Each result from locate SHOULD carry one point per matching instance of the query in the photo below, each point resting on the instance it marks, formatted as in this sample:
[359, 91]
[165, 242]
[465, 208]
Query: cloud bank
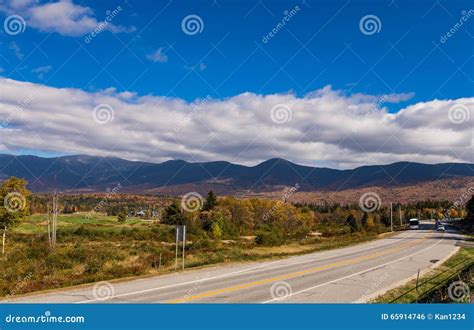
[324, 128]
[63, 17]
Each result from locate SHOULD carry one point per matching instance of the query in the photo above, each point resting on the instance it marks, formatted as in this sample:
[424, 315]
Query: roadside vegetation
[435, 285]
[103, 237]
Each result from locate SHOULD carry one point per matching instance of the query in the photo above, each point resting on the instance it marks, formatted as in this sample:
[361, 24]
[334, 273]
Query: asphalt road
[352, 274]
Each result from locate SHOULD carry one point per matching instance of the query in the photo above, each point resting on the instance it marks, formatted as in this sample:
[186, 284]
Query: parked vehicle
[440, 228]
[414, 223]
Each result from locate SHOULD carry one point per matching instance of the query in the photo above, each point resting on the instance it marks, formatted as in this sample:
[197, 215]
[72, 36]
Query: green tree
[269, 235]
[352, 222]
[216, 230]
[14, 204]
[173, 215]
[241, 214]
[122, 215]
[368, 221]
[211, 201]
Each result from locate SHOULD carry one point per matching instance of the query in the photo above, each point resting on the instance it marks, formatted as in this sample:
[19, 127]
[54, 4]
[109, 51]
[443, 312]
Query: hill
[95, 174]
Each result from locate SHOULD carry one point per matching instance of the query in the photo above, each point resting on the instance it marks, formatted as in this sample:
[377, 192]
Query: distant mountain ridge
[83, 173]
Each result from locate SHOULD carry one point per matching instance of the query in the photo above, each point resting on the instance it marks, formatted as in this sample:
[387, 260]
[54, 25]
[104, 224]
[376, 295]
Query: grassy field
[434, 280]
[37, 223]
[98, 247]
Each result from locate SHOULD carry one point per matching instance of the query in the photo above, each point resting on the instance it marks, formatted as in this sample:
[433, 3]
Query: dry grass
[434, 279]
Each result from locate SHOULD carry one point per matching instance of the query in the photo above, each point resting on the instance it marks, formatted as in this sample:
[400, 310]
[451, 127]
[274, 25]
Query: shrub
[269, 236]
[93, 266]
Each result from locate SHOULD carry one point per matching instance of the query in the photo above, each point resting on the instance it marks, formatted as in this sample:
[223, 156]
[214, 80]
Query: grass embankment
[459, 266]
[99, 248]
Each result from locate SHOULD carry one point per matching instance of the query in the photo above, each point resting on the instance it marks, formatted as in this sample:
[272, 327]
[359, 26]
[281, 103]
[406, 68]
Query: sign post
[391, 218]
[176, 256]
[400, 211]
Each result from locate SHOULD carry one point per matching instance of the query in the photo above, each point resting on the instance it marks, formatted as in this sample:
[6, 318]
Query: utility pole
[184, 243]
[53, 220]
[391, 217]
[400, 211]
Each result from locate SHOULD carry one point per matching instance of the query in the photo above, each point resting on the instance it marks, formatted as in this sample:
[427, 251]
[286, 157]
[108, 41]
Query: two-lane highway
[352, 274]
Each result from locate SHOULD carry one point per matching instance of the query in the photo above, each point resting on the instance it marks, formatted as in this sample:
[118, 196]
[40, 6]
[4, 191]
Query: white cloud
[42, 70]
[63, 17]
[158, 56]
[17, 50]
[237, 129]
[200, 67]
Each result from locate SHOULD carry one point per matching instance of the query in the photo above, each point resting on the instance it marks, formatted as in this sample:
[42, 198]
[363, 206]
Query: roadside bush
[163, 233]
[202, 244]
[59, 260]
[269, 236]
[93, 266]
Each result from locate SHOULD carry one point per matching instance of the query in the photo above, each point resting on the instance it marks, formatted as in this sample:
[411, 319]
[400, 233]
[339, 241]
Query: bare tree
[53, 211]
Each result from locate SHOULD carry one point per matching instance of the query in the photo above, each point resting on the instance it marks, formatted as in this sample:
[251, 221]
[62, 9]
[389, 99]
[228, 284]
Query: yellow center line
[299, 273]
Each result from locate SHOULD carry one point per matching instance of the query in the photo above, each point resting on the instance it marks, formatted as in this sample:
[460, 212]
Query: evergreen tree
[211, 201]
[352, 222]
[172, 215]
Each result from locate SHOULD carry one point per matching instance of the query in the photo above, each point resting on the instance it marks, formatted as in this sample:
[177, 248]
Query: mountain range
[83, 173]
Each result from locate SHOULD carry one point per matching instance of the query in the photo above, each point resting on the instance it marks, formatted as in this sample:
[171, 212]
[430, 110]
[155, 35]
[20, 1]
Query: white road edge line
[224, 275]
[358, 273]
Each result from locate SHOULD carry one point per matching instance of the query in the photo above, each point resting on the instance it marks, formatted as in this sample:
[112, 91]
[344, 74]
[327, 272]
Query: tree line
[270, 221]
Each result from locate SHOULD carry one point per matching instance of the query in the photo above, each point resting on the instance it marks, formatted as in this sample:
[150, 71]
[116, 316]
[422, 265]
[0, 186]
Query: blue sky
[235, 59]
[144, 50]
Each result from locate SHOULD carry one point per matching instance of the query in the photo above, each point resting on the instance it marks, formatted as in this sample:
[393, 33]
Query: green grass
[100, 248]
[429, 282]
[37, 223]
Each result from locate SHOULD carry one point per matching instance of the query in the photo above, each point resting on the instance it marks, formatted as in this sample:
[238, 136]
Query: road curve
[352, 274]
